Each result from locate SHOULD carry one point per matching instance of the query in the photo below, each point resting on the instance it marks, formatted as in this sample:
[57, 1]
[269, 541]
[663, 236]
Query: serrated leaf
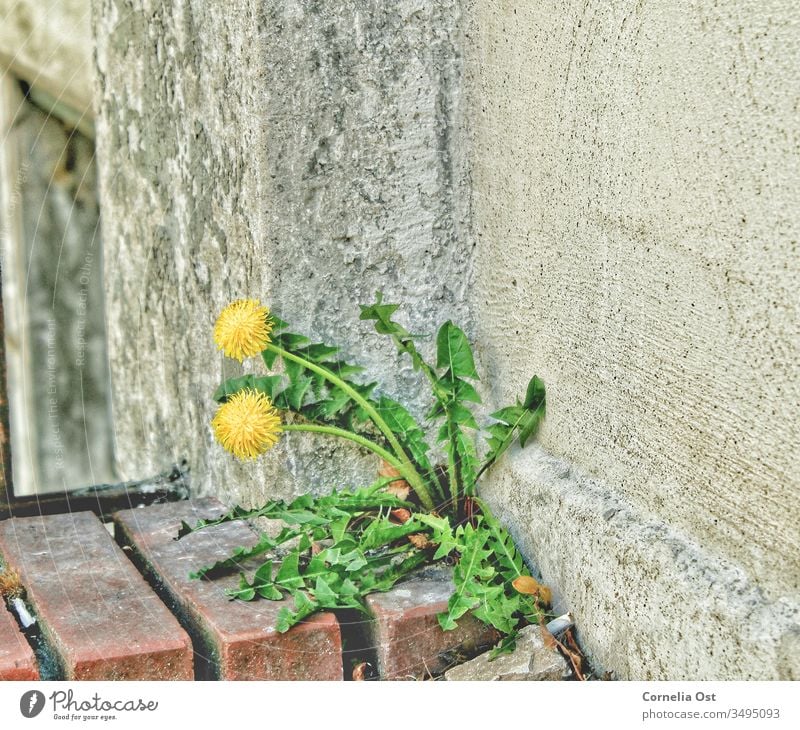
[453, 352]
[269, 591]
[508, 557]
[303, 607]
[318, 352]
[324, 594]
[339, 528]
[233, 515]
[498, 610]
[290, 341]
[405, 427]
[289, 573]
[462, 416]
[457, 606]
[529, 426]
[292, 397]
[269, 384]
[245, 592]
[509, 414]
[383, 532]
[521, 421]
[264, 573]
[467, 459]
[441, 534]
[381, 314]
[277, 323]
[505, 646]
[464, 391]
[269, 357]
[534, 394]
[348, 588]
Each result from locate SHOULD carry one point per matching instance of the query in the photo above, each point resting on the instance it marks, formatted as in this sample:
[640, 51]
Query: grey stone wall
[299, 152]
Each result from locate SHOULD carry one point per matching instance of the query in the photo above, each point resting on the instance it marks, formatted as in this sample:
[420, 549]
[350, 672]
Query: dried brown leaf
[529, 586]
[571, 650]
[526, 584]
[548, 639]
[545, 596]
[420, 541]
[399, 488]
[388, 470]
[401, 514]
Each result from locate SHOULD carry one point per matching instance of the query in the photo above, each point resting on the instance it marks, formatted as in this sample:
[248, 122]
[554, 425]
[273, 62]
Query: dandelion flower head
[248, 424]
[242, 329]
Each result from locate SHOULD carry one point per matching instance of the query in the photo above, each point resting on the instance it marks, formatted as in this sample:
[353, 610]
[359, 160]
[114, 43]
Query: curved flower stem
[410, 473]
[350, 436]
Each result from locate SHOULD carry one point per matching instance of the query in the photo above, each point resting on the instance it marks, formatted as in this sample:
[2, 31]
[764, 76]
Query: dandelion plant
[336, 549]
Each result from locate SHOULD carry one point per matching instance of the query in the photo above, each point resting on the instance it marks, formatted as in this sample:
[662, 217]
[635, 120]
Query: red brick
[405, 632]
[17, 662]
[237, 638]
[96, 612]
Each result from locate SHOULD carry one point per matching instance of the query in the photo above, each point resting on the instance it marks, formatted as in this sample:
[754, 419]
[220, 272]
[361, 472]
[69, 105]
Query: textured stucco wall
[300, 152]
[636, 173]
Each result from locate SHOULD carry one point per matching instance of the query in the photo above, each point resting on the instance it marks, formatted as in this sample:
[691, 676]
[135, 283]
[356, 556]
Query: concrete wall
[300, 152]
[601, 193]
[635, 175]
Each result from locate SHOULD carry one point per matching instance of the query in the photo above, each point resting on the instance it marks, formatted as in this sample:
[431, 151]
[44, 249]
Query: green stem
[411, 474]
[350, 436]
[440, 394]
[452, 469]
[410, 349]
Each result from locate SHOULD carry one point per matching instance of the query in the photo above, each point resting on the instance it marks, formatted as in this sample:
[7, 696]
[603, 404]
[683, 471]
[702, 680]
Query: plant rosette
[338, 548]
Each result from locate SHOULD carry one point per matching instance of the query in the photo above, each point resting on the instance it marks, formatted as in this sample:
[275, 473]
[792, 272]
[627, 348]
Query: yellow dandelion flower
[242, 329]
[247, 425]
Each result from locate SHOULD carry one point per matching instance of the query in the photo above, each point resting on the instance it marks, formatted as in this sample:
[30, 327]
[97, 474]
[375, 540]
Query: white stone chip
[530, 661]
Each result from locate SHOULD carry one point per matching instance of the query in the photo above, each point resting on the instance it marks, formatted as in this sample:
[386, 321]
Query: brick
[17, 662]
[236, 639]
[405, 632]
[97, 614]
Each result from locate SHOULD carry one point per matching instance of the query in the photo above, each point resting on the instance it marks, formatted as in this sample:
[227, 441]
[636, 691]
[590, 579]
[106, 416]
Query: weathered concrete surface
[635, 177]
[299, 152]
[649, 602]
[531, 661]
[48, 43]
